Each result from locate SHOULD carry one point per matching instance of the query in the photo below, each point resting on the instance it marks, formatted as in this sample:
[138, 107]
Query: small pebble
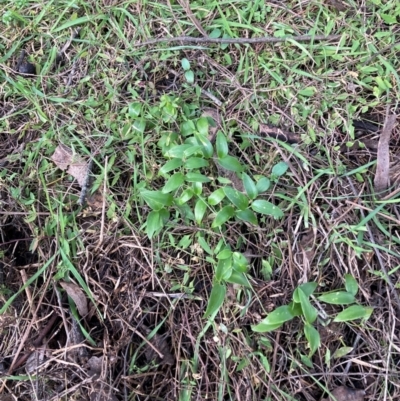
[27, 68]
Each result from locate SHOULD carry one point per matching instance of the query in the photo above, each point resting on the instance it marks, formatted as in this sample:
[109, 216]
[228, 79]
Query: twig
[265, 39]
[103, 209]
[86, 184]
[381, 180]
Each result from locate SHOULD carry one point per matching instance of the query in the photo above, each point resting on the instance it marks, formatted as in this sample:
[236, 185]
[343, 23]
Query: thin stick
[265, 39]
[103, 210]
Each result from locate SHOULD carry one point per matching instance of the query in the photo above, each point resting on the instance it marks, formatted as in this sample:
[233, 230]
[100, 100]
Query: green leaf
[199, 210]
[354, 312]
[134, 109]
[263, 185]
[189, 75]
[216, 197]
[240, 262]
[156, 199]
[306, 360]
[307, 92]
[225, 254]
[223, 216]
[268, 208]
[196, 162]
[153, 223]
[223, 270]
[230, 163]
[178, 150]
[280, 315]
[171, 165]
[204, 244]
[351, 284]
[279, 169]
[337, 298]
[222, 145]
[185, 64]
[249, 186]
[196, 177]
[313, 337]
[207, 147]
[239, 278]
[216, 33]
[202, 126]
[309, 312]
[186, 195]
[342, 351]
[237, 198]
[139, 125]
[265, 327]
[308, 289]
[248, 216]
[216, 300]
[174, 182]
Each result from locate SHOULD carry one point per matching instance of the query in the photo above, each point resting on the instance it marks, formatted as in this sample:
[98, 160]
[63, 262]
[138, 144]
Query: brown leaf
[77, 295]
[275, 132]
[161, 345]
[344, 393]
[381, 181]
[64, 158]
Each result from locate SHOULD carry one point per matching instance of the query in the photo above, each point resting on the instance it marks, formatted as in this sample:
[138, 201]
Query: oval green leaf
[248, 216]
[230, 163]
[239, 278]
[279, 169]
[185, 64]
[313, 337]
[171, 165]
[309, 312]
[196, 177]
[337, 298]
[196, 162]
[280, 315]
[174, 182]
[216, 300]
[268, 208]
[351, 284]
[263, 185]
[249, 186]
[216, 197]
[354, 312]
[237, 198]
[156, 199]
[223, 216]
[199, 210]
[222, 145]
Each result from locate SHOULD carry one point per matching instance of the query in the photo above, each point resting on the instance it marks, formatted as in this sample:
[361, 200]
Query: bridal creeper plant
[189, 158]
[302, 307]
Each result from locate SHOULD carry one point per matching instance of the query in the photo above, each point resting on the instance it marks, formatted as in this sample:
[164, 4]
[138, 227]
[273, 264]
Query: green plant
[302, 307]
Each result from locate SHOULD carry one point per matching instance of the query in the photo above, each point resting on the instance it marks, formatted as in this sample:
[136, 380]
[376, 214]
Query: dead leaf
[95, 364]
[95, 201]
[64, 158]
[162, 346]
[35, 359]
[381, 181]
[344, 393]
[214, 114]
[77, 295]
[275, 132]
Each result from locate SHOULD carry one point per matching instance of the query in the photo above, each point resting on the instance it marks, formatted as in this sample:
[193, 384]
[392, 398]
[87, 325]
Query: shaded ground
[319, 107]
